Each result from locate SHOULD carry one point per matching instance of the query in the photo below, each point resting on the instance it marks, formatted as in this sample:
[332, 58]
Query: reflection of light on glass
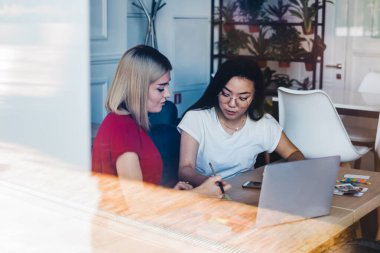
[19, 156]
[341, 31]
[356, 31]
[33, 12]
[25, 71]
[375, 19]
[33, 70]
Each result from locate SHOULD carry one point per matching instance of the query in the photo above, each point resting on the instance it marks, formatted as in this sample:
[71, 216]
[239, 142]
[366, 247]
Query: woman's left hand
[183, 186]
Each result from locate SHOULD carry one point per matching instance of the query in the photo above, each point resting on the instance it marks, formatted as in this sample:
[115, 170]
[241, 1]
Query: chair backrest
[370, 83]
[168, 115]
[167, 140]
[311, 122]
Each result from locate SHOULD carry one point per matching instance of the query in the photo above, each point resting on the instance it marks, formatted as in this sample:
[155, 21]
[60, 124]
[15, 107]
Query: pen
[213, 172]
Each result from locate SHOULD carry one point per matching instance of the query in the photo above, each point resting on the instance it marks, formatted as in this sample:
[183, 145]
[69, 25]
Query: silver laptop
[293, 191]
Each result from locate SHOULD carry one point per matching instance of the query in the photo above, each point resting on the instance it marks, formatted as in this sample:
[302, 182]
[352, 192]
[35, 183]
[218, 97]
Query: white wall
[44, 91]
[183, 35]
[108, 36]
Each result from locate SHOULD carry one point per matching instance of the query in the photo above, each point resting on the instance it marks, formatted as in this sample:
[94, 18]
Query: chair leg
[346, 165]
[377, 161]
[357, 163]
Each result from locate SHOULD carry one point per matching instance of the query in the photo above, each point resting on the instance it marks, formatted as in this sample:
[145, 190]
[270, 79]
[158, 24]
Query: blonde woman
[122, 146]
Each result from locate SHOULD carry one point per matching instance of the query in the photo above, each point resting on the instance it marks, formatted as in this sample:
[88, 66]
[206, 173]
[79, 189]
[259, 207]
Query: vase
[228, 27]
[284, 64]
[308, 30]
[262, 63]
[309, 66]
[254, 28]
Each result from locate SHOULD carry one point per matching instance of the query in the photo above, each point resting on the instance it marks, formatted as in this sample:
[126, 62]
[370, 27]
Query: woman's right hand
[183, 186]
[211, 188]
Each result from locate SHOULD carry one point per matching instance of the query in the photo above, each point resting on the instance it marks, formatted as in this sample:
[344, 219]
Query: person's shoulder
[117, 120]
[265, 119]
[198, 113]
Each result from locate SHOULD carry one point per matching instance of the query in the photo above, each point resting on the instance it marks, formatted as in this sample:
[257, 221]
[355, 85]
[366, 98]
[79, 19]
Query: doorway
[353, 42]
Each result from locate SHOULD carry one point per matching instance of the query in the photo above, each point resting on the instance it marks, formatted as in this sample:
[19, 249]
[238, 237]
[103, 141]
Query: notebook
[293, 191]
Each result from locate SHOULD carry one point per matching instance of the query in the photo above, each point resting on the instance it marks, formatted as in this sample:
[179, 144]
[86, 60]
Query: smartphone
[252, 185]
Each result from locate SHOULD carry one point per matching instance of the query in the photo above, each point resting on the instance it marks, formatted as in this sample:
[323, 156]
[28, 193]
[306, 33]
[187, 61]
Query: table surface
[49, 209]
[350, 99]
[358, 205]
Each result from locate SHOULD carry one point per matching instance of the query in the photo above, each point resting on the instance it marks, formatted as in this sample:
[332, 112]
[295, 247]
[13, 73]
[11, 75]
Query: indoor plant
[286, 43]
[226, 15]
[232, 41]
[310, 56]
[260, 47]
[306, 12]
[252, 10]
[277, 11]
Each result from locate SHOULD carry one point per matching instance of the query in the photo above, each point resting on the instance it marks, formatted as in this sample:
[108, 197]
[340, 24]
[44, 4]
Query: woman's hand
[211, 188]
[183, 186]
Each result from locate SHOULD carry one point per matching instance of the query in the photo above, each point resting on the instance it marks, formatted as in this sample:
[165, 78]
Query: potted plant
[260, 47]
[277, 12]
[306, 12]
[226, 15]
[252, 10]
[310, 56]
[232, 41]
[286, 43]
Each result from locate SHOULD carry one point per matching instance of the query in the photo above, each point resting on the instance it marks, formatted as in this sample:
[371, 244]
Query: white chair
[362, 131]
[311, 122]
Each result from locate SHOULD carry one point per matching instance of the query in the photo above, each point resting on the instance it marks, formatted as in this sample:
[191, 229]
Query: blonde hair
[138, 68]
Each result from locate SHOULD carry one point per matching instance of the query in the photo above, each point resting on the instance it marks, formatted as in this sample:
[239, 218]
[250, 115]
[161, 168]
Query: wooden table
[358, 206]
[46, 208]
[354, 103]
[349, 102]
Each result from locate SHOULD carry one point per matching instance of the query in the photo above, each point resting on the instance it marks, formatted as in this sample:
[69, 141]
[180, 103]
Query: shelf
[276, 35]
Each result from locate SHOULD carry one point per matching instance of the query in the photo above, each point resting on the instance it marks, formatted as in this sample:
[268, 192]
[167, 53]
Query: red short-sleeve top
[119, 134]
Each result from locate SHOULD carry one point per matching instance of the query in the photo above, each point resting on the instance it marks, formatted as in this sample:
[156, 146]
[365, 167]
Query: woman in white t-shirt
[227, 126]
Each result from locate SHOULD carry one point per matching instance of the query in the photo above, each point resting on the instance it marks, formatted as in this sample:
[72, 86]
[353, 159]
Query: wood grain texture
[83, 212]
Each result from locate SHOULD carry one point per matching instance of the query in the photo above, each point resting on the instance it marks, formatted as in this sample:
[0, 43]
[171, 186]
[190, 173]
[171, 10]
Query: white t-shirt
[229, 153]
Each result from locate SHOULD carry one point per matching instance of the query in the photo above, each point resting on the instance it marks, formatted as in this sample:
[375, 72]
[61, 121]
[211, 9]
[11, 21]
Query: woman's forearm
[189, 174]
[295, 156]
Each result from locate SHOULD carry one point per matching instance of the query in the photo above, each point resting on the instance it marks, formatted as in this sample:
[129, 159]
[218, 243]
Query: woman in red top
[122, 146]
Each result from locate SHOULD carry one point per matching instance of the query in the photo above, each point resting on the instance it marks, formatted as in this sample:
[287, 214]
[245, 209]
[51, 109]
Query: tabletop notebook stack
[354, 185]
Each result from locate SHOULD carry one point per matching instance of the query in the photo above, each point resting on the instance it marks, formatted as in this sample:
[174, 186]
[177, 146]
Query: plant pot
[228, 27]
[262, 63]
[309, 66]
[284, 64]
[254, 28]
[308, 30]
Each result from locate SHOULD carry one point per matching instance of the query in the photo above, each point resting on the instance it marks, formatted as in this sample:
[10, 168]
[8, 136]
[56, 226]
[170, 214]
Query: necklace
[235, 129]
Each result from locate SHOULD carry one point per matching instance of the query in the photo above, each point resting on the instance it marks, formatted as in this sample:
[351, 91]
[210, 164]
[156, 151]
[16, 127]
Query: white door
[353, 42]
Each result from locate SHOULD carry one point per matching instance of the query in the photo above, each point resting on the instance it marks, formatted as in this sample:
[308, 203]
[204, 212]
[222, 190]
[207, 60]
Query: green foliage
[251, 8]
[278, 11]
[307, 13]
[232, 41]
[261, 46]
[286, 42]
[226, 13]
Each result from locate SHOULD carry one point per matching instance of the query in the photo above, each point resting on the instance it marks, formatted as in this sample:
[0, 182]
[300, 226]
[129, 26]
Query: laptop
[298, 190]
